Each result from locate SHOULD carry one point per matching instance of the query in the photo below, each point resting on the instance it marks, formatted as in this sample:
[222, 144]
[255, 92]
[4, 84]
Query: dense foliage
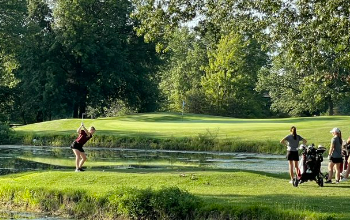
[71, 55]
[241, 58]
[306, 42]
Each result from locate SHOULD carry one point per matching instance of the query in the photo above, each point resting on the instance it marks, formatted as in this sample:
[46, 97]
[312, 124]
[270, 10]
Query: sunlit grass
[165, 125]
[223, 187]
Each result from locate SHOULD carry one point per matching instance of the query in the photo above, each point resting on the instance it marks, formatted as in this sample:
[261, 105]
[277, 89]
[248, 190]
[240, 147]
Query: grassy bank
[191, 132]
[177, 194]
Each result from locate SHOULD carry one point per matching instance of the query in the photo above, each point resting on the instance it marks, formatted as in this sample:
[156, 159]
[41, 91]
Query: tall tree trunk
[330, 106]
[39, 116]
[23, 118]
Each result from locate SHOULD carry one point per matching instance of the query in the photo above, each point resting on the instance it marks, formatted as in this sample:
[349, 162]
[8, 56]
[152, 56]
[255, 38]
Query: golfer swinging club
[77, 146]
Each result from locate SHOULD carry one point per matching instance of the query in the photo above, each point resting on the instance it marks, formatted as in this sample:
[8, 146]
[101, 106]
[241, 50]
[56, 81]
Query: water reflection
[5, 214]
[23, 158]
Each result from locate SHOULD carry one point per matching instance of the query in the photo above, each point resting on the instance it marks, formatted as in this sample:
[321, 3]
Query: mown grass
[191, 132]
[218, 194]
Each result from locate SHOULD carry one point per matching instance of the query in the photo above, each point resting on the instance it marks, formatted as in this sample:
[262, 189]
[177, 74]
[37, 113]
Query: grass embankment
[194, 194]
[192, 132]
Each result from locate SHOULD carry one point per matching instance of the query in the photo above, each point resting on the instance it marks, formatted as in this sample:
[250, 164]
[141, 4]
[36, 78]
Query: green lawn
[232, 187]
[236, 188]
[164, 125]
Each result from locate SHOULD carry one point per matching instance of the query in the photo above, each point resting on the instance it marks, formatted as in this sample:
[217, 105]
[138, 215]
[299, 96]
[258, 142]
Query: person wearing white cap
[347, 171]
[335, 156]
[291, 141]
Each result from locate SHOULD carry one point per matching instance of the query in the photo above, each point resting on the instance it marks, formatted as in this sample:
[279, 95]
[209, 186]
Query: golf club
[82, 118]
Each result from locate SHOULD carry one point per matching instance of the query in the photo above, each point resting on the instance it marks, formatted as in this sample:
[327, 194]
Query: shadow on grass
[73, 133]
[337, 206]
[177, 118]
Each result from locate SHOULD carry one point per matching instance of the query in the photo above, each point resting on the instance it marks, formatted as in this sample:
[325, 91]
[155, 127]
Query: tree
[231, 77]
[313, 38]
[12, 15]
[74, 54]
[39, 94]
[211, 20]
[181, 74]
[97, 44]
[159, 18]
[284, 87]
[92, 38]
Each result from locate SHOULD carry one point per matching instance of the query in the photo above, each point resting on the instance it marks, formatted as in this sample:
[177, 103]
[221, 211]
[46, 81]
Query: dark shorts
[293, 155]
[77, 146]
[336, 160]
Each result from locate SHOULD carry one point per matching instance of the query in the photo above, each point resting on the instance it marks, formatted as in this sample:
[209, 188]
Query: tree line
[240, 58]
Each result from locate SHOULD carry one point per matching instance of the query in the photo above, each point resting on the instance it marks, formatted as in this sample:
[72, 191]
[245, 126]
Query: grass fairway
[217, 187]
[166, 125]
[233, 188]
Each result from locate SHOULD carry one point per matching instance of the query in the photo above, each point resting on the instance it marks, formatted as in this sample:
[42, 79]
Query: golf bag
[310, 165]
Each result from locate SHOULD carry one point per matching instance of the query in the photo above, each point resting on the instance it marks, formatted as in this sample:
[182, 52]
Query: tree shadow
[337, 206]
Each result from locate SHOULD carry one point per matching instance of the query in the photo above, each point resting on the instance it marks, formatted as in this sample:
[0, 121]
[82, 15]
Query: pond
[16, 159]
[5, 214]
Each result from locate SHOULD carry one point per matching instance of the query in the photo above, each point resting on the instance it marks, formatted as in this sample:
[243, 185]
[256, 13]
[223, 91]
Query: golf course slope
[188, 132]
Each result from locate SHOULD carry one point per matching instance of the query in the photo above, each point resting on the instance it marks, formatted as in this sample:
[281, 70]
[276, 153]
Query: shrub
[173, 203]
[6, 133]
[167, 204]
[136, 204]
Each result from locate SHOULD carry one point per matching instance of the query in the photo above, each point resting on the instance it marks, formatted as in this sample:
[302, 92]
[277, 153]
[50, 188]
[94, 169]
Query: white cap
[336, 130]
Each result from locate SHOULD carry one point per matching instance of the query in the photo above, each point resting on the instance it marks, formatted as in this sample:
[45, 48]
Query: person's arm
[304, 141]
[79, 129]
[283, 141]
[86, 131]
[331, 149]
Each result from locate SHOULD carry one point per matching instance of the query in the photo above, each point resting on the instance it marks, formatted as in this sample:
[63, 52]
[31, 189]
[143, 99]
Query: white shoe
[343, 179]
[291, 181]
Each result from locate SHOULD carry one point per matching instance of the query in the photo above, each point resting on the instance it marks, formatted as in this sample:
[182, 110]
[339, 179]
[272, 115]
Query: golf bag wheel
[295, 182]
[326, 176]
[320, 182]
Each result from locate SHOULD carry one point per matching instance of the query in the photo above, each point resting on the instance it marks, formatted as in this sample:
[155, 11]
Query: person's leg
[296, 165]
[290, 162]
[330, 170]
[83, 159]
[348, 169]
[77, 158]
[337, 171]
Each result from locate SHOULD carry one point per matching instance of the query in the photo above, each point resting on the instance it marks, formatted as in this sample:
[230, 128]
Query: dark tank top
[82, 138]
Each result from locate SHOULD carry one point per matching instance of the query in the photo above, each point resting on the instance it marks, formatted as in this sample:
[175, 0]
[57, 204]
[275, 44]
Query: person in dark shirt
[77, 146]
[291, 141]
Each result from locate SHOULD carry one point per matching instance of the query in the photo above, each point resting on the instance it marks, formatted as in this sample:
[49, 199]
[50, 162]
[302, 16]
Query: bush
[6, 133]
[173, 203]
[167, 204]
[136, 204]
